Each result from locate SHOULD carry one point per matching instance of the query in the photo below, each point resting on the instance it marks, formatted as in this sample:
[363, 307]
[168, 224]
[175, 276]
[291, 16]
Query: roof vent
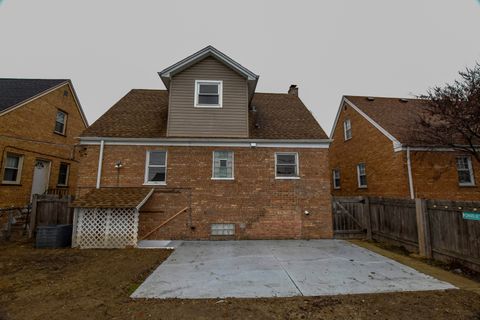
[403, 100]
[370, 98]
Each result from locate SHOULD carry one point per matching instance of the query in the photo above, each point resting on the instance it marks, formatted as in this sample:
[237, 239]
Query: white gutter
[410, 177]
[100, 160]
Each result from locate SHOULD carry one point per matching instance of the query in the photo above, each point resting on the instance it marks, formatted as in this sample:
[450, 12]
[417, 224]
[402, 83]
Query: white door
[41, 173]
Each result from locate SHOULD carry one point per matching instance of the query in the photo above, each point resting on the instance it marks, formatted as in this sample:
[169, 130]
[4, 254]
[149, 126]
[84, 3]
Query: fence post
[423, 229]
[33, 217]
[368, 217]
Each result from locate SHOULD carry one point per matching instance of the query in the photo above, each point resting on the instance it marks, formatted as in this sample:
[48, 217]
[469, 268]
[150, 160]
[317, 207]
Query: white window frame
[470, 171]
[213, 165]
[212, 233]
[335, 186]
[67, 176]
[19, 169]
[358, 175]
[297, 169]
[220, 93]
[147, 162]
[64, 123]
[347, 129]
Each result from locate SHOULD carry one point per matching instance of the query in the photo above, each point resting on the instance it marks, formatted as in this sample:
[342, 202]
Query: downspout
[100, 159]
[410, 177]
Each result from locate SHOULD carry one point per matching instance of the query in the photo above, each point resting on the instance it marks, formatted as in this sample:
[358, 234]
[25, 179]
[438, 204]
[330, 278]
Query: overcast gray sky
[328, 48]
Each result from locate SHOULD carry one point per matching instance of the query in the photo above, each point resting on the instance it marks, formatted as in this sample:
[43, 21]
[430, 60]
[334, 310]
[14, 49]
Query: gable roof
[16, 92]
[143, 114]
[397, 118]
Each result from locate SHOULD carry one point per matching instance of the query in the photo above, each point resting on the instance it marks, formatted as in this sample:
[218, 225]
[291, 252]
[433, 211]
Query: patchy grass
[96, 284]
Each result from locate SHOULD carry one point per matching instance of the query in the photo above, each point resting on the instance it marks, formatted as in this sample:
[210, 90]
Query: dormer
[209, 96]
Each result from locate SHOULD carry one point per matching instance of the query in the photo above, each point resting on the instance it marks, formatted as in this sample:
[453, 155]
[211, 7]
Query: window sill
[13, 184]
[336, 188]
[467, 185]
[362, 187]
[227, 179]
[155, 184]
[60, 134]
[287, 178]
[62, 186]
[207, 106]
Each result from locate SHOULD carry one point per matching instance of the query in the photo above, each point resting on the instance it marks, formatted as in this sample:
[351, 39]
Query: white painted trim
[19, 169]
[219, 84]
[335, 187]
[213, 165]
[428, 149]
[65, 119]
[147, 165]
[362, 186]
[140, 205]
[100, 160]
[470, 171]
[410, 176]
[75, 97]
[297, 169]
[316, 144]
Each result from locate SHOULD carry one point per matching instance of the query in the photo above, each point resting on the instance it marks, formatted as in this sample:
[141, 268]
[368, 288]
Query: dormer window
[208, 93]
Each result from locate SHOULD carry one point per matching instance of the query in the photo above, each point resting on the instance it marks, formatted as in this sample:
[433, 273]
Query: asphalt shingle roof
[143, 114]
[112, 198]
[15, 91]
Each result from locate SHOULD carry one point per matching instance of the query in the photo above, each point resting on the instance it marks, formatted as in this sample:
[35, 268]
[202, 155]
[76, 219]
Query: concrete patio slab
[248, 269]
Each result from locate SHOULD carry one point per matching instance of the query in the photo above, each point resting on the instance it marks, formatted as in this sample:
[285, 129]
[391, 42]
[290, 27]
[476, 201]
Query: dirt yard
[96, 284]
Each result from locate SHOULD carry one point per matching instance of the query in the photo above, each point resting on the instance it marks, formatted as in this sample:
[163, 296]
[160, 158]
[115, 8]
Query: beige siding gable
[185, 120]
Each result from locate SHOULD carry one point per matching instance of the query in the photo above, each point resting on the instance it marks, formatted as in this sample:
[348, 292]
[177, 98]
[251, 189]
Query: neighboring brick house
[376, 152]
[223, 161]
[39, 122]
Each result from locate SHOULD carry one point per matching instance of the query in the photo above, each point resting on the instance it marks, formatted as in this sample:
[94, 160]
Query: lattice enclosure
[106, 227]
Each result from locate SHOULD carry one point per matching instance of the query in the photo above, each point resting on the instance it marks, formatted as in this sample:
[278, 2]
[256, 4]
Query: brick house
[375, 152]
[208, 158]
[39, 122]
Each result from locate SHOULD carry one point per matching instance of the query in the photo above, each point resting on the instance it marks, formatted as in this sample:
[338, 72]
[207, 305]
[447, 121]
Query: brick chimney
[293, 90]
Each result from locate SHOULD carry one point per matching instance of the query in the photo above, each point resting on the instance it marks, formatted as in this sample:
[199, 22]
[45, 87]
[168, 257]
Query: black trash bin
[54, 236]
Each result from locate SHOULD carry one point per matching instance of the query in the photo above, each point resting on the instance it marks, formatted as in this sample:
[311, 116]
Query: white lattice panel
[106, 227]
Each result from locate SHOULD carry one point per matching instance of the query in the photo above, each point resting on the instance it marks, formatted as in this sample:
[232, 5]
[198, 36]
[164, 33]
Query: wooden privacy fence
[434, 228]
[50, 210]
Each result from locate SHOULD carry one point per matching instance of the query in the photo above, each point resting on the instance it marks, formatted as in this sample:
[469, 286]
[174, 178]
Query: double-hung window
[336, 178]
[60, 122]
[286, 165]
[156, 167]
[347, 129]
[465, 171]
[12, 168]
[222, 165]
[63, 172]
[208, 93]
[361, 175]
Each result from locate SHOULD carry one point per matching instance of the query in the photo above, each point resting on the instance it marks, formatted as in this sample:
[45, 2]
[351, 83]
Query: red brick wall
[434, 173]
[260, 206]
[28, 131]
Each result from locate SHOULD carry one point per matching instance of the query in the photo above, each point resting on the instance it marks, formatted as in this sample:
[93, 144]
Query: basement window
[208, 93]
[465, 171]
[286, 165]
[336, 179]
[12, 169]
[156, 167]
[347, 129]
[222, 165]
[60, 122]
[223, 229]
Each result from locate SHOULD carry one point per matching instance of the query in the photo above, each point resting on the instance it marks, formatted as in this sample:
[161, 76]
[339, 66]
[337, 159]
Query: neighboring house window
[347, 129]
[465, 171]
[208, 93]
[336, 179]
[362, 175]
[286, 165]
[222, 165]
[223, 229]
[12, 169]
[61, 122]
[156, 167]
[63, 174]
